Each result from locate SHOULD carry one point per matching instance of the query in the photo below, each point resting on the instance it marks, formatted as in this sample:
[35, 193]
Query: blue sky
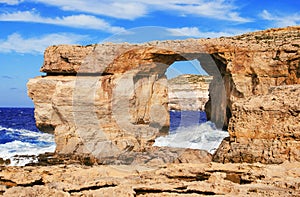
[29, 26]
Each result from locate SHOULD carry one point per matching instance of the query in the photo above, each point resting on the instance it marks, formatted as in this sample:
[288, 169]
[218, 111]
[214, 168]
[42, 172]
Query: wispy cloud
[195, 32]
[36, 45]
[75, 21]
[216, 9]
[281, 20]
[6, 77]
[132, 9]
[11, 2]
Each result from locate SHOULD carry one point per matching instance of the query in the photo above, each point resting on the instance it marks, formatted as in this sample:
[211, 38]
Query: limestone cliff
[188, 92]
[264, 128]
[109, 98]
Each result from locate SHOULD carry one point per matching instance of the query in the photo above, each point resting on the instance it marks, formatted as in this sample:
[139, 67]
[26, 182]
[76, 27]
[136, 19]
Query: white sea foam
[204, 136]
[45, 143]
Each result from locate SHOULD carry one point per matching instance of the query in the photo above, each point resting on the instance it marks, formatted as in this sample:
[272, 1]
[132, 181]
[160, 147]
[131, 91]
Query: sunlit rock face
[264, 128]
[108, 98]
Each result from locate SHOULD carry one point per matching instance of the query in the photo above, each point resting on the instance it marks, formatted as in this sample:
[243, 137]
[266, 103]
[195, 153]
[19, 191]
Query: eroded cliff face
[264, 128]
[109, 98]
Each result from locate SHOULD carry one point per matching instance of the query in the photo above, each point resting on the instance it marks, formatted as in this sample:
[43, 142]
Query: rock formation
[188, 92]
[260, 118]
[187, 180]
[109, 98]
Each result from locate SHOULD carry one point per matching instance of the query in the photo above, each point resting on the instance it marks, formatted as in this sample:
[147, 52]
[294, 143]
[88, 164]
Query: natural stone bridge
[109, 98]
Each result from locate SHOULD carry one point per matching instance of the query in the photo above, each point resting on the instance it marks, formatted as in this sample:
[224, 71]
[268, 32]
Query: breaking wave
[204, 136]
[24, 142]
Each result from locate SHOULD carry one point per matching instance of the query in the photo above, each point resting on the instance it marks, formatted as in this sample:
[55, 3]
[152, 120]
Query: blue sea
[179, 119]
[19, 135]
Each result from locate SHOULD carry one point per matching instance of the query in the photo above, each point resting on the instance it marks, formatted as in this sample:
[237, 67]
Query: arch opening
[188, 93]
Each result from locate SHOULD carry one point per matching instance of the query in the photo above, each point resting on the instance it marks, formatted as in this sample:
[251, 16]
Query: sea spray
[204, 136]
[24, 142]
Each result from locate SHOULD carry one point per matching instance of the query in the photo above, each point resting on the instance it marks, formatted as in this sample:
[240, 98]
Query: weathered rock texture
[191, 180]
[125, 108]
[188, 92]
[151, 156]
[264, 128]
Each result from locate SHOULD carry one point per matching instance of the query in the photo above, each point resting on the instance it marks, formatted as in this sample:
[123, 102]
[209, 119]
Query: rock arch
[242, 94]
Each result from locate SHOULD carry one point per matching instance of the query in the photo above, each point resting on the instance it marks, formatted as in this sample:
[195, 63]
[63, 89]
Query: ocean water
[181, 119]
[190, 129]
[19, 136]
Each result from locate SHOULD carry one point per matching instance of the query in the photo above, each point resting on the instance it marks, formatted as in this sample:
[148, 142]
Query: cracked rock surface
[213, 179]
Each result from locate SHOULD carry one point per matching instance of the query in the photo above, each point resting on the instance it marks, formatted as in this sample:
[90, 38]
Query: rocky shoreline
[183, 179]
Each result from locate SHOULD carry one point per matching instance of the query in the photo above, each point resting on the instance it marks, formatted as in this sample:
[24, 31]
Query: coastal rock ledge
[107, 99]
[172, 180]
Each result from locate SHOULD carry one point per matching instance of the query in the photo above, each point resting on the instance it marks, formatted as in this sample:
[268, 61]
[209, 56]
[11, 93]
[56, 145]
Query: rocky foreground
[206, 179]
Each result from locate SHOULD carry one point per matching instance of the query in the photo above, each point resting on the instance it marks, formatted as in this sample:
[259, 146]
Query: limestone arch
[149, 61]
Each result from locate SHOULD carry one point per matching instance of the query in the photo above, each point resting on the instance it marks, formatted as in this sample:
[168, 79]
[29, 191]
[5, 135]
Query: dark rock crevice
[143, 191]
[10, 183]
[94, 187]
[197, 177]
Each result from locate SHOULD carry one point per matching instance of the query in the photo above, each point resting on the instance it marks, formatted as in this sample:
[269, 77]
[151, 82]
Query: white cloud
[118, 9]
[217, 9]
[76, 21]
[36, 45]
[195, 32]
[185, 31]
[132, 9]
[281, 20]
[11, 2]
